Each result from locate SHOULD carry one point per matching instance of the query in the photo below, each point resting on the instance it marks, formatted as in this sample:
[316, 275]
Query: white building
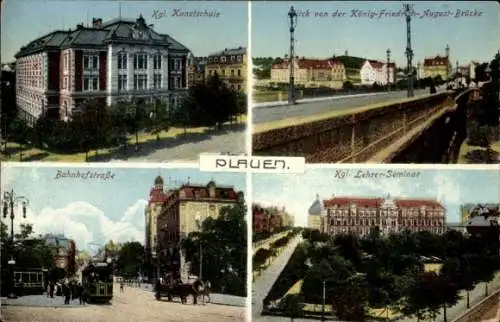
[113, 61]
[376, 72]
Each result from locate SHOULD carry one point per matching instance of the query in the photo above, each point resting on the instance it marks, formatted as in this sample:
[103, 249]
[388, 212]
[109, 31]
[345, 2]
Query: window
[239, 58]
[177, 82]
[90, 61]
[177, 64]
[65, 82]
[157, 81]
[239, 72]
[232, 72]
[232, 58]
[140, 82]
[66, 61]
[122, 82]
[157, 61]
[140, 61]
[90, 83]
[122, 61]
[239, 87]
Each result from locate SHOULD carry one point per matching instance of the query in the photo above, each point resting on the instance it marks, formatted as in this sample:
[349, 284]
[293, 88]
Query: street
[133, 305]
[270, 114]
[265, 281]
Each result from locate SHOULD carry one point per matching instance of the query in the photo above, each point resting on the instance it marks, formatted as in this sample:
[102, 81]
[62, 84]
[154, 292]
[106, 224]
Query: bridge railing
[352, 137]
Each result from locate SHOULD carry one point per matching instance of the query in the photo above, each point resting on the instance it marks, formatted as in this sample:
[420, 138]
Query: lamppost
[409, 50]
[198, 223]
[10, 199]
[11, 263]
[324, 298]
[388, 52]
[292, 16]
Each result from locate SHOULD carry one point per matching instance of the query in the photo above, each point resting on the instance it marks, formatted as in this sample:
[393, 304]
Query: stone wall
[353, 137]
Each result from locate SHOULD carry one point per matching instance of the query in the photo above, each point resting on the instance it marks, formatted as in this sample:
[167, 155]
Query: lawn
[35, 154]
[465, 149]
[381, 312]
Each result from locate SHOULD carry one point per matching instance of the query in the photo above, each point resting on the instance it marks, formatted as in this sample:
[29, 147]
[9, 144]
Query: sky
[469, 38]
[451, 187]
[96, 211]
[26, 20]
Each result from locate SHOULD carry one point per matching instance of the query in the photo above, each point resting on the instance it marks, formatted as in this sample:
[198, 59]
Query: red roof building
[171, 215]
[309, 70]
[362, 215]
[436, 61]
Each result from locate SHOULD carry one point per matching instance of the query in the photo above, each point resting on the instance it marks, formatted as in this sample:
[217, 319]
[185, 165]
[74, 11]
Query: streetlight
[10, 199]
[198, 222]
[409, 50]
[11, 263]
[323, 306]
[292, 15]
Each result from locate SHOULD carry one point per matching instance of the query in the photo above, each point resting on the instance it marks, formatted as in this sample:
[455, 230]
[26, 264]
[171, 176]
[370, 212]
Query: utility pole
[388, 69]
[409, 50]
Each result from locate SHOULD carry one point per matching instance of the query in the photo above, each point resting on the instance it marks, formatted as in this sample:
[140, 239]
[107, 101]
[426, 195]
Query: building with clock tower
[113, 61]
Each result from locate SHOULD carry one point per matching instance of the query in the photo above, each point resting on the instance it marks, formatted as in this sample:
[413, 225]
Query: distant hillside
[351, 62]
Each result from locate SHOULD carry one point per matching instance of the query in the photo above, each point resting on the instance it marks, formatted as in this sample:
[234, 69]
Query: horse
[176, 289]
[203, 289]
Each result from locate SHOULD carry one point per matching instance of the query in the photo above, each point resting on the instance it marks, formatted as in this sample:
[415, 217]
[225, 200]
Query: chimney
[97, 23]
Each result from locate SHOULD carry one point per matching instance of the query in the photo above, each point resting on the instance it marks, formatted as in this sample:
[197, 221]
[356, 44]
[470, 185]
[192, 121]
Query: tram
[29, 281]
[97, 282]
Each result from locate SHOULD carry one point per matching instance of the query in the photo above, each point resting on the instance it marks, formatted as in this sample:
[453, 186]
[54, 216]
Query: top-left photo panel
[136, 81]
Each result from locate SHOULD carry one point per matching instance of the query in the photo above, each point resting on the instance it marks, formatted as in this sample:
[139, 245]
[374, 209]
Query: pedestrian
[80, 293]
[51, 286]
[121, 287]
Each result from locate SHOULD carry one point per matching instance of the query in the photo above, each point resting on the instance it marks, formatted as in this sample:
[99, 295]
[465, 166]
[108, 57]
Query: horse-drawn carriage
[170, 289]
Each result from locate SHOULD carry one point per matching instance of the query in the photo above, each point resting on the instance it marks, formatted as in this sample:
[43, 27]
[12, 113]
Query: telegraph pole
[409, 50]
[388, 69]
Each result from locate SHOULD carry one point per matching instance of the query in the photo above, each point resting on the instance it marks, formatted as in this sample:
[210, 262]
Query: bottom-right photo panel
[377, 244]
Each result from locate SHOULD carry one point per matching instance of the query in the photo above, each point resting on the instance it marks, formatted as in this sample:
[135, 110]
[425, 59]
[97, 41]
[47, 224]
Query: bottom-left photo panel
[92, 243]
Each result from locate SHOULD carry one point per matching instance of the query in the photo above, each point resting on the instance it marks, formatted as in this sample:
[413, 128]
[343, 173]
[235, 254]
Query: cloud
[135, 214]
[86, 224]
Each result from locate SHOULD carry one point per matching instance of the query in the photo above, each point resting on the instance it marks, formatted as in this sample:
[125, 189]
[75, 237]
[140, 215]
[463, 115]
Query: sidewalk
[40, 301]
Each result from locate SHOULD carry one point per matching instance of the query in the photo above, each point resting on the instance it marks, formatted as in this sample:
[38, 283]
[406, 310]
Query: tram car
[97, 282]
[29, 281]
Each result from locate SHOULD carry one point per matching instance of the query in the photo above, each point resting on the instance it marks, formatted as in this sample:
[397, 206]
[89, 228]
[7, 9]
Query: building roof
[436, 61]
[377, 202]
[230, 52]
[316, 207]
[306, 63]
[378, 64]
[117, 30]
[223, 192]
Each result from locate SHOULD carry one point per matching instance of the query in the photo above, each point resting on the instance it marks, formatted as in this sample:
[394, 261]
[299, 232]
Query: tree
[260, 258]
[130, 259]
[292, 305]
[224, 260]
[350, 299]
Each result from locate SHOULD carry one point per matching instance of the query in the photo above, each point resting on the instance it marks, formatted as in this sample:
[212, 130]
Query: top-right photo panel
[377, 81]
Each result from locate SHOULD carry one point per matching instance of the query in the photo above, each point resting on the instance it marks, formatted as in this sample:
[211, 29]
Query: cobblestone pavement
[134, 305]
